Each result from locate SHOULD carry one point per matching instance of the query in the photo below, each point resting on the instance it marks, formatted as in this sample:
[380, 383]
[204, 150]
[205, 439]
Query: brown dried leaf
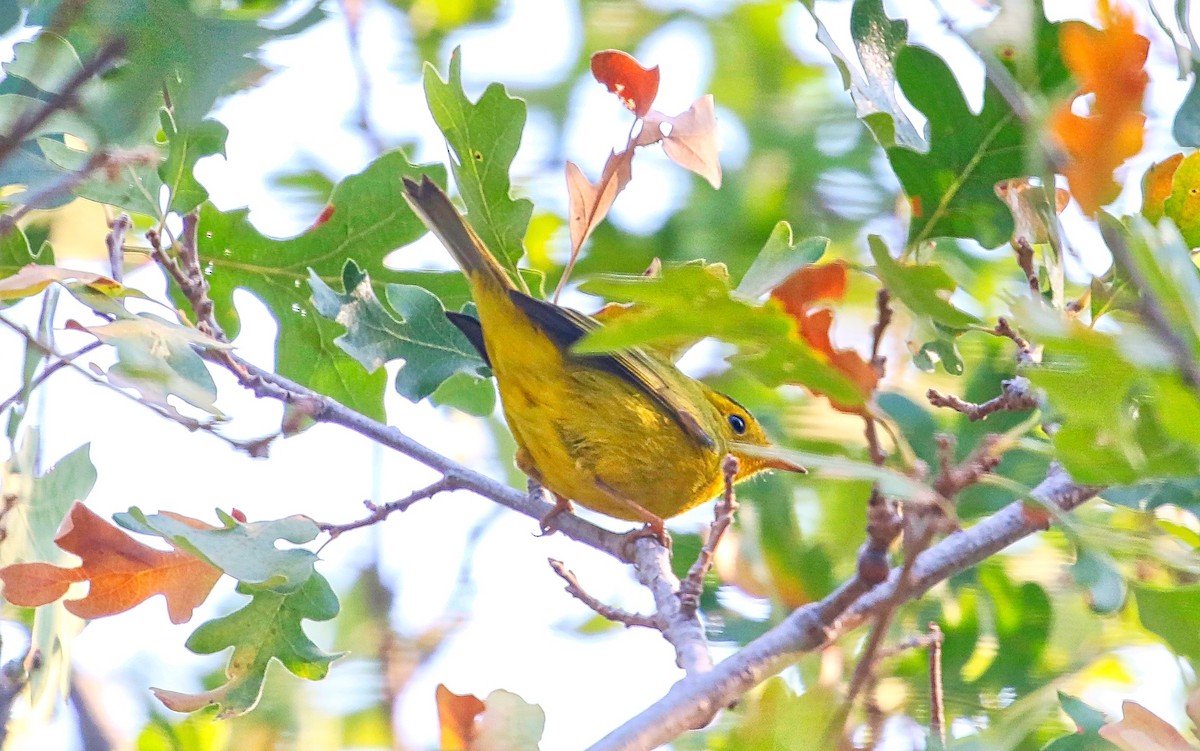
[1142, 730]
[692, 142]
[1023, 199]
[122, 571]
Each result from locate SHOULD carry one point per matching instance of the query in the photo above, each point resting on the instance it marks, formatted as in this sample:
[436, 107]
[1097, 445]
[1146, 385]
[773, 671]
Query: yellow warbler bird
[624, 433]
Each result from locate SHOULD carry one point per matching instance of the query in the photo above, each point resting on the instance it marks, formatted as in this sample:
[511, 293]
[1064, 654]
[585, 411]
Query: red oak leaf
[624, 76]
[798, 294]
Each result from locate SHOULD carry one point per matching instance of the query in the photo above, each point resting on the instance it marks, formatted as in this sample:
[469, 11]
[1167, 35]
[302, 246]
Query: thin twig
[692, 586]
[353, 16]
[1025, 261]
[937, 699]
[269, 385]
[1152, 310]
[63, 185]
[115, 242]
[878, 362]
[63, 99]
[379, 513]
[617, 615]
[696, 698]
[1016, 395]
[63, 362]
[883, 527]
[1025, 354]
[918, 641]
[883, 318]
[68, 361]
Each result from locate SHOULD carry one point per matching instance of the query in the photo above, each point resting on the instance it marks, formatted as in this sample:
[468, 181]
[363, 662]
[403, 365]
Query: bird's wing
[565, 327]
[469, 326]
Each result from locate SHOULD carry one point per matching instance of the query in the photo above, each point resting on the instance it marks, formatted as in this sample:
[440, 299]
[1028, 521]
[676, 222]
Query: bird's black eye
[737, 423]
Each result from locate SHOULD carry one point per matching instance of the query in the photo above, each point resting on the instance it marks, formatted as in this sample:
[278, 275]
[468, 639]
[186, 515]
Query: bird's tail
[433, 206]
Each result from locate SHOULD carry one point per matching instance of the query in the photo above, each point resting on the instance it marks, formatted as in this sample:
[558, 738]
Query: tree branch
[692, 586]
[607, 611]
[693, 701]
[1152, 310]
[1016, 395]
[266, 384]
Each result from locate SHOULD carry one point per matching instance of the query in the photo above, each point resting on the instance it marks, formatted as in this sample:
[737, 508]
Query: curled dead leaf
[1024, 200]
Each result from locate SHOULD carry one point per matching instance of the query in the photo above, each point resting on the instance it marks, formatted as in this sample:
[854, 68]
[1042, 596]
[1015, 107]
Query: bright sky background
[517, 633]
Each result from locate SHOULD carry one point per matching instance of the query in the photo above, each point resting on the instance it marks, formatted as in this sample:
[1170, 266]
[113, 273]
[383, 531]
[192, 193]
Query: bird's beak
[784, 464]
[770, 457]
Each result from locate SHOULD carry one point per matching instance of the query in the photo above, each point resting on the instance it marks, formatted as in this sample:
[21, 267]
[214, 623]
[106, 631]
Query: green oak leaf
[779, 259]
[204, 55]
[268, 627]
[508, 723]
[1134, 425]
[924, 288]
[1173, 613]
[42, 501]
[136, 186]
[951, 187]
[692, 302]
[47, 62]
[1164, 261]
[432, 348]
[483, 137]
[877, 41]
[245, 550]
[28, 171]
[1027, 44]
[1088, 722]
[369, 220]
[1183, 203]
[184, 149]
[158, 359]
[135, 189]
[15, 253]
[1186, 128]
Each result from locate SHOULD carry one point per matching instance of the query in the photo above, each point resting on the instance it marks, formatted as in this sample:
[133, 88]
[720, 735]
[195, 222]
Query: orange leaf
[122, 571]
[1109, 64]
[456, 717]
[797, 294]
[692, 142]
[624, 76]
[1142, 730]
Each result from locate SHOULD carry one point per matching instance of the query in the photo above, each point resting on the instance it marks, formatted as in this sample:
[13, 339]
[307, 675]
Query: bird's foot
[654, 530]
[561, 506]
